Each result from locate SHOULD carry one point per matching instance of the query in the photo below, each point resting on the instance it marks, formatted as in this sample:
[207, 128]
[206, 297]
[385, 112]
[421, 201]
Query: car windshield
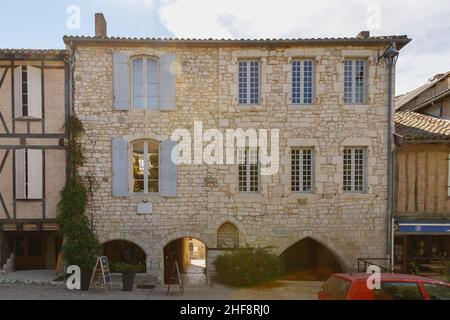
[336, 288]
[438, 292]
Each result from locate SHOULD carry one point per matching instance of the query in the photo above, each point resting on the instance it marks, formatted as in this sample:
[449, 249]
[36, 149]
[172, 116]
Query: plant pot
[85, 279]
[128, 281]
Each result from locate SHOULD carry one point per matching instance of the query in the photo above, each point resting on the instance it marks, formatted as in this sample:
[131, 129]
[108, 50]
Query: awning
[423, 226]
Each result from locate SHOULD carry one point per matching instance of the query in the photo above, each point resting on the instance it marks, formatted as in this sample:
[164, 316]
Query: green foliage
[80, 246]
[245, 267]
[127, 268]
[75, 130]
[413, 268]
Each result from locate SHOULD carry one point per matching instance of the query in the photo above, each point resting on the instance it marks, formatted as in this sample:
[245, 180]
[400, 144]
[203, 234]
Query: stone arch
[238, 224]
[190, 252]
[124, 251]
[311, 259]
[227, 236]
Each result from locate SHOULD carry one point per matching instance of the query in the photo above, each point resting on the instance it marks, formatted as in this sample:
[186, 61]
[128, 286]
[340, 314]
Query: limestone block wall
[351, 225]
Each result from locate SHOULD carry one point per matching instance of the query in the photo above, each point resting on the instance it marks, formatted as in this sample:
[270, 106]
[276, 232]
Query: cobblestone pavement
[293, 290]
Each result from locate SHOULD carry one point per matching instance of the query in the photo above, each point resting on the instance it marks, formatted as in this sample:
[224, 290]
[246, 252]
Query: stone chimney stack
[100, 26]
[363, 35]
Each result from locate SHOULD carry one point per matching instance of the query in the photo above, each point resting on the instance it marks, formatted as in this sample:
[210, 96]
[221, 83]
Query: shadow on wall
[308, 260]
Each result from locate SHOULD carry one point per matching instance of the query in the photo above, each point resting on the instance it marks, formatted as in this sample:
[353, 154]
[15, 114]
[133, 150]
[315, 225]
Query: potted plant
[128, 274]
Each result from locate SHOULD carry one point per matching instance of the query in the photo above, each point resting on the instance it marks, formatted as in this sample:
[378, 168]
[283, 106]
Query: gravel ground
[283, 290]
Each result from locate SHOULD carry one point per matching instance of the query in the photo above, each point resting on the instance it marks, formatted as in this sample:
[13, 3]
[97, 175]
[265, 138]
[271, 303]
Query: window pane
[347, 170]
[359, 81]
[359, 169]
[348, 80]
[254, 82]
[24, 91]
[153, 171]
[138, 167]
[138, 83]
[296, 74]
[398, 291]
[242, 162]
[242, 82]
[307, 81]
[295, 170]
[448, 178]
[438, 292]
[307, 170]
[152, 83]
[253, 169]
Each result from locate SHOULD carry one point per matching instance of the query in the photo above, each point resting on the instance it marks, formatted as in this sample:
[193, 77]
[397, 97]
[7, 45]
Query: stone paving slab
[289, 290]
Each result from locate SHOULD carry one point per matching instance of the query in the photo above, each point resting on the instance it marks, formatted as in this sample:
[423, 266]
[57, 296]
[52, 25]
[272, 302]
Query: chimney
[100, 26]
[363, 35]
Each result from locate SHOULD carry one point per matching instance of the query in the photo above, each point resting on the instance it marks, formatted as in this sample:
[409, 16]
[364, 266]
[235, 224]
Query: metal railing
[382, 263]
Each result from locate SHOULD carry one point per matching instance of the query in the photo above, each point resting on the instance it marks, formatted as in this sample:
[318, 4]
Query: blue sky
[41, 24]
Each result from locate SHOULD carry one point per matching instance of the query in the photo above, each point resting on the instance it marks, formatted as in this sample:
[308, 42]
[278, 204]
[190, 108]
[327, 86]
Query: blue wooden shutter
[119, 167]
[121, 81]
[167, 82]
[168, 169]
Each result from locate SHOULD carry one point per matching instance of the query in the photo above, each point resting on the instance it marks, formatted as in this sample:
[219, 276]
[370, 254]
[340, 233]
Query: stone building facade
[348, 224]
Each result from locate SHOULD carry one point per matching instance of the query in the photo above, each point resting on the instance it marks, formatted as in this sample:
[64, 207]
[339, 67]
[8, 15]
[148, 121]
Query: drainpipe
[390, 58]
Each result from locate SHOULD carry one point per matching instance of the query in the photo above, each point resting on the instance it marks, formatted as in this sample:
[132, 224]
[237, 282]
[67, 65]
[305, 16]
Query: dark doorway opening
[124, 251]
[190, 254]
[310, 261]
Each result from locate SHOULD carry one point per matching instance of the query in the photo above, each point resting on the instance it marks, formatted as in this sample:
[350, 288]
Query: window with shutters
[145, 164]
[302, 81]
[248, 161]
[27, 92]
[301, 169]
[28, 173]
[144, 82]
[355, 81]
[249, 82]
[354, 169]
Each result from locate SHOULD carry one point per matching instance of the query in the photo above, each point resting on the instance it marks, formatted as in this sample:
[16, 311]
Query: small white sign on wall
[145, 208]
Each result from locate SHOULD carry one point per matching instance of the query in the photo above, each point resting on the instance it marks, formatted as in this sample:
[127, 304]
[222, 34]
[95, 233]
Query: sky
[42, 24]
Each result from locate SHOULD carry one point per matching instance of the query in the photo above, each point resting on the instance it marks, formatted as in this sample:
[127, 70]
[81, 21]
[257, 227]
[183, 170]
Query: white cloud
[426, 22]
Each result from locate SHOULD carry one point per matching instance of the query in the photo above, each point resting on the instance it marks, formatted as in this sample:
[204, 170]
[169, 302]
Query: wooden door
[29, 251]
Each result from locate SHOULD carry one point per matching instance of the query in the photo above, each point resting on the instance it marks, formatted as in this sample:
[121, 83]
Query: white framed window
[354, 169]
[355, 73]
[249, 81]
[302, 81]
[145, 166]
[27, 92]
[302, 169]
[248, 161]
[28, 173]
[144, 82]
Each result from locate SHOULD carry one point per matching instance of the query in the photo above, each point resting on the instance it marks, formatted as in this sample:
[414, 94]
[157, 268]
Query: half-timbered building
[33, 110]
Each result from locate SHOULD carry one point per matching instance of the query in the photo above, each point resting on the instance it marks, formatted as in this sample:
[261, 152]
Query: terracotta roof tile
[415, 126]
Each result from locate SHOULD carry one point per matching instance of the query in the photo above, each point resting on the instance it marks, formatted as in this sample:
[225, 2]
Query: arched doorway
[308, 259]
[125, 252]
[190, 254]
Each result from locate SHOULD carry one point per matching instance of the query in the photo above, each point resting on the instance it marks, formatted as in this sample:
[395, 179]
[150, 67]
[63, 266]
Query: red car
[353, 286]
